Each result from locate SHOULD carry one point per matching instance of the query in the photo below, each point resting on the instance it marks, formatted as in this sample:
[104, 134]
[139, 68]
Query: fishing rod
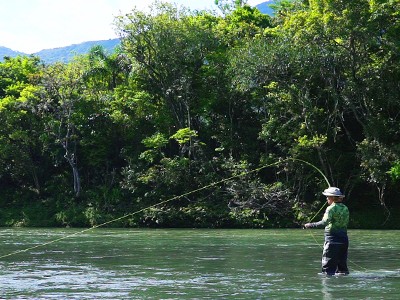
[169, 200]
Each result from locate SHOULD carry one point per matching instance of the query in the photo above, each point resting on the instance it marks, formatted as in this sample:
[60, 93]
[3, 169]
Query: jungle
[209, 119]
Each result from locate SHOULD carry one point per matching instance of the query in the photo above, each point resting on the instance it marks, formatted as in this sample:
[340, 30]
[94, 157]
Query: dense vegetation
[195, 98]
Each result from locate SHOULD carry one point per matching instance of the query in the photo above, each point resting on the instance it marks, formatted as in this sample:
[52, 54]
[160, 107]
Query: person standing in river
[335, 220]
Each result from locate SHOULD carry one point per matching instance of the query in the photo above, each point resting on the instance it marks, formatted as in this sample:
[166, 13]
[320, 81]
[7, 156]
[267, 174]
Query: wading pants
[334, 256]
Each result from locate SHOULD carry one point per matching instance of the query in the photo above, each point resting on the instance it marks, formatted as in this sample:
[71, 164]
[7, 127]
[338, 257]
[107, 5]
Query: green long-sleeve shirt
[335, 219]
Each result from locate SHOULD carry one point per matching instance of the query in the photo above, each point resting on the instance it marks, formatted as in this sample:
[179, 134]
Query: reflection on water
[191, 264]
[365, 284]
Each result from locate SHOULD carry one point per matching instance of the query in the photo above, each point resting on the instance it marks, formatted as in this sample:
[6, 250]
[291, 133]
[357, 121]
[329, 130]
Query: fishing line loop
[169, 200]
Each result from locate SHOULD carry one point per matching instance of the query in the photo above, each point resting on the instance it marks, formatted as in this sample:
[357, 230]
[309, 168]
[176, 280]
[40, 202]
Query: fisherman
[335, 220]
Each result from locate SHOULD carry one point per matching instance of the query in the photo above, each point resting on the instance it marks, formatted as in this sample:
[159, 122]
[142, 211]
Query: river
[192, 264]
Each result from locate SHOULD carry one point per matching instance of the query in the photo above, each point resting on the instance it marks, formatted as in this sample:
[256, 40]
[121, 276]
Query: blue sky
[33, 25]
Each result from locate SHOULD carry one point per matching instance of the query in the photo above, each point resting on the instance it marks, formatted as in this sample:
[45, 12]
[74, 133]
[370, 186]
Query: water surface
[193, 264]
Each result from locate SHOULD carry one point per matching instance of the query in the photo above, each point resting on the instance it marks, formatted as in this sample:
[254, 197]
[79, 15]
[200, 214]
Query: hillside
[8, 52]
[265, 7]
[63, 54]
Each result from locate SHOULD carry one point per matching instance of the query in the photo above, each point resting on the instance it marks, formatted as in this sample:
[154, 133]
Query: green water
[193, 264]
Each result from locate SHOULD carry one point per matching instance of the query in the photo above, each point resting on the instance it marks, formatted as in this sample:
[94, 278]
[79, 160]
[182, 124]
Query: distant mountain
[8, 52]
[265, 8]
[63, 54]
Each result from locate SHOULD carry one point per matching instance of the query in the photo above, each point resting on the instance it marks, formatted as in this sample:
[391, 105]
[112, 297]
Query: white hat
[333, 191]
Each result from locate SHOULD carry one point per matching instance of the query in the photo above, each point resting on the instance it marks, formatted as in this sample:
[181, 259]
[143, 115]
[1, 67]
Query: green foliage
[249, 218]
[394, 171]
[194, 98]
[184, 135]
[156, 141]
[375, 160]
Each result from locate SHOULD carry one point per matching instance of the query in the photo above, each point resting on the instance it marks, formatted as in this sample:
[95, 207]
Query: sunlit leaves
[394, 171]
[156, 141]
[184, 135]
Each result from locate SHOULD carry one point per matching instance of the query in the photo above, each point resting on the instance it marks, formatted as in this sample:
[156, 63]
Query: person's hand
[307, 225]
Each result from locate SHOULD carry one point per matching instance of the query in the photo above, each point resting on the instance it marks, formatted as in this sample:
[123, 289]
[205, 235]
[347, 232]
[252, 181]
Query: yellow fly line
[166, 201]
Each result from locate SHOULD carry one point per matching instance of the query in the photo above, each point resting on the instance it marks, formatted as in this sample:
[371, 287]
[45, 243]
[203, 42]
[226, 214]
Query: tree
[170, 47]
[21, 157]
[228, 5]
[61, 95]
[317, 74]
[113, 68]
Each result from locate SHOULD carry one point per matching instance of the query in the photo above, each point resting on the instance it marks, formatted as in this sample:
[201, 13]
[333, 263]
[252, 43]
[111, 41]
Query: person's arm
[323, 222]
[315, 224]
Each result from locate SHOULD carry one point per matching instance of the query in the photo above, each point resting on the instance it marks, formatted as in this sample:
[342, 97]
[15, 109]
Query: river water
[192, 264]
